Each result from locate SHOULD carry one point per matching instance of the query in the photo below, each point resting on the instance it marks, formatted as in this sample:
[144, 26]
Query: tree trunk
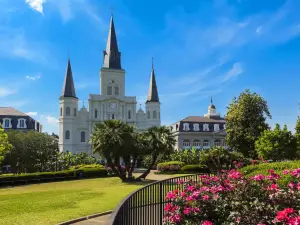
[145, 174]
[113, 167]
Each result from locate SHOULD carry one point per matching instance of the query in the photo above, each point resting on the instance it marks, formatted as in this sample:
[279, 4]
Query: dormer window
[205, 127]
[6, 123]
[186, 127]
[216, 127]
[196, 126]
[21, 123]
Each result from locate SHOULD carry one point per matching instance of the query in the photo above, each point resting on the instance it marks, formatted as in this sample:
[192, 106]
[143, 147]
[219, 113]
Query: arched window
[217, 143]
[67, 134]
[206, 144]
[148, 114]
[82, 136]
[75, 110]
[61, 112]
[109, 90]
[68, 112]
[196, 143]
[116, 90]
[186, 144]
[96, 113]
[129, 114]
[154, 114]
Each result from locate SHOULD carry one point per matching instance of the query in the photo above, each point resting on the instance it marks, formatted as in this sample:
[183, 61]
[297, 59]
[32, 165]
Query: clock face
[112, 105]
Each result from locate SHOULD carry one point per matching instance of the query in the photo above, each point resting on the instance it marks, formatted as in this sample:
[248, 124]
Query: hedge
[71, 174]
[194, 169]
[172, 166]
[278, 167]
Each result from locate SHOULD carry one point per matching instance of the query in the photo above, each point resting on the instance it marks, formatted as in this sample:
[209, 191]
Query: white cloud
[32, 113]
[235, 71]
[258, 30]
[33, 77]
[36, 5]
[52, 120]
[4, 92]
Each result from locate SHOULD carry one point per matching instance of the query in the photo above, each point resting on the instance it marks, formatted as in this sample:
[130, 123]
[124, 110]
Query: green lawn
[51, 203]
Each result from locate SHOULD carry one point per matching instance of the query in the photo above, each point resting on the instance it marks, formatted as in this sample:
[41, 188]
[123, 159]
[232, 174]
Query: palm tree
[114, 139]
[161, 141]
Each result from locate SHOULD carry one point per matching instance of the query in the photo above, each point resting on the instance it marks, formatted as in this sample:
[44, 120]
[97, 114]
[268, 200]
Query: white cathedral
[76, 126]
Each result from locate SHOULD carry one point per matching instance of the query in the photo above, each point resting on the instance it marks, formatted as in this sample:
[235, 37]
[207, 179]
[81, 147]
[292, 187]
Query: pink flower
[207, 222]
[296, 173]
[238, 219]
[180, 182]
[190, 188]
[291, 185]
[171, 195]
[270, 171]
[272, 187]
[187, 210]
[285, 172]
[258, 177]
[205, 197]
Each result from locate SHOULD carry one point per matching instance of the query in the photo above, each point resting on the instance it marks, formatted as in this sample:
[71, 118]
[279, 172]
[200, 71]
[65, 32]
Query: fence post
[161, 205]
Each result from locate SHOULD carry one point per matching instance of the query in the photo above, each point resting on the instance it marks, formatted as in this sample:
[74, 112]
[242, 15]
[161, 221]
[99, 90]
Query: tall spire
[211, 99]
[112, 56]
[152, 93]
[68, 88]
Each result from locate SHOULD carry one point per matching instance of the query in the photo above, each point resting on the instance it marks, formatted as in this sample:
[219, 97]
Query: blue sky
[201, 48]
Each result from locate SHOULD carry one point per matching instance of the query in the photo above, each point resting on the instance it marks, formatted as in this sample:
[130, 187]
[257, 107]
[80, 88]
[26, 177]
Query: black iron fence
[146, 205]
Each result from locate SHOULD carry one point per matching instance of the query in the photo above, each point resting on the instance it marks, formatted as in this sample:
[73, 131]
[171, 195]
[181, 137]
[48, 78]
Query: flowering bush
[172, 166]
[229, 198]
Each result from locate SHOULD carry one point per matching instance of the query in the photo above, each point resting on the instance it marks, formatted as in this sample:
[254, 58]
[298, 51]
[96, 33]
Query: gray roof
[112, 56]
[68, 88]
[203, 119]
[9, 111]
[152, 93]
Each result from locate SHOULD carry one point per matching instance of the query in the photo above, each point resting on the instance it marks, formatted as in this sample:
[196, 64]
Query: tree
[5, 146]
[161, 141]
[245, 122]
[115, 140]
[297, 135]
[276, 144]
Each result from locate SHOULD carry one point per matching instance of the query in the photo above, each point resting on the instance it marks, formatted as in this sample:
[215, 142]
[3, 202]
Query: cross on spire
[152, 63]
[111, 10]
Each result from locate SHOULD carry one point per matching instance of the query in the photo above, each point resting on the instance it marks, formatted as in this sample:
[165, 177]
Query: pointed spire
[112, 56]
[152, 93]
[68, 88]
[211, 99]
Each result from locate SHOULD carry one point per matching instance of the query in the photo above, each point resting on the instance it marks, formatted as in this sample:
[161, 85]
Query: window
[112, 116]
[186, 144]
[205, 127]
[196, 127]
[75, 111]
[96, 113]
[186, 127]
[196, 143]
[217, 143]
[82, 136]
[216, 127]
[61, 112]
[116, 90]
[154, 114]
[109, 90]
[205, 143]
[21, 123]
[67, 134]
[68, 111]
[129, 114]
[6, 123]
[148, 114]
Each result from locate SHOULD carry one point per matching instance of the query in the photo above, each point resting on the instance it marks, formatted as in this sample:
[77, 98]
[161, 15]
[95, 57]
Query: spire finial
[68, 53]
[211, 99]
[140, 106]
[111, 11]
[152, 63]
[83, 103]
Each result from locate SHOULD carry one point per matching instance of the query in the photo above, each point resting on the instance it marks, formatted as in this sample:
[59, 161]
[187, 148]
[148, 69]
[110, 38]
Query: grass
[51, 203]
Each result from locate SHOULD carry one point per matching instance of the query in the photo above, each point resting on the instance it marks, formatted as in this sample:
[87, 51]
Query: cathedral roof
[152, 93]
[68, 88]
[203, 119]
[112, 56]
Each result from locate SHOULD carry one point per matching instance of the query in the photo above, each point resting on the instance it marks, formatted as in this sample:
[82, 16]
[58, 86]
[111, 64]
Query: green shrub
[172, 166]
[278, 167]
[194, 169]
[87, 166]
[146, 160]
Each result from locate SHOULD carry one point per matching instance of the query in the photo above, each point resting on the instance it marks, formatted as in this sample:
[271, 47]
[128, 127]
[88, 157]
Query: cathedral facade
[76, 125]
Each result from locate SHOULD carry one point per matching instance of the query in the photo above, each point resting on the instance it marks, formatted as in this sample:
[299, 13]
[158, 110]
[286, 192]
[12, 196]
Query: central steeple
[112, 56]
[152, 92]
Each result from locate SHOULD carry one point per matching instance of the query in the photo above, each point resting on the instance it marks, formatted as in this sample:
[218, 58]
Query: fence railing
[146, 205]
